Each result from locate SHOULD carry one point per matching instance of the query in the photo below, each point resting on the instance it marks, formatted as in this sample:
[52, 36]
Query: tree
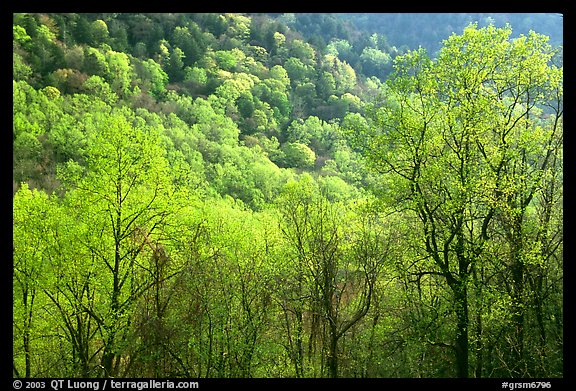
[342, 49]
[211, 121]
[337, 259]
[189, 42]
[450, 132]
[96, 86]
[153, 77]
[375, 62]
[35, 112]
[317, 134]
[303, 51]
[45, 55]
[20, 70]
[124, 192]
[120, 72]
[175, 66]
[278, 72]
[95, 63]
[298, 155]
[32, 217]
[297, 71]
[99, 32]
[326, 85]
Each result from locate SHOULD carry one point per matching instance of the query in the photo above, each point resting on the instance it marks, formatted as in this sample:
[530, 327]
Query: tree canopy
[286, 196]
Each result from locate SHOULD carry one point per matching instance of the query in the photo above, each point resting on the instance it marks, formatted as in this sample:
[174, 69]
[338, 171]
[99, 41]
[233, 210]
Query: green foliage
[442, 163]
[153, 77]
[98, 87]
[375, 62]
[20, 70]
[298, 155]
[283, 195]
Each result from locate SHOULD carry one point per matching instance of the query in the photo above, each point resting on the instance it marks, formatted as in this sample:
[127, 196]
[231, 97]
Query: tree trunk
[518, 317]
[459, 287]
[517, 271]
[333, 352]
[109, 349]
[461, 309]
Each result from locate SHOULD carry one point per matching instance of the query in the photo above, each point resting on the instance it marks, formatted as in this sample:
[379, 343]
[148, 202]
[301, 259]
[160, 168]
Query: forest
[291, 195]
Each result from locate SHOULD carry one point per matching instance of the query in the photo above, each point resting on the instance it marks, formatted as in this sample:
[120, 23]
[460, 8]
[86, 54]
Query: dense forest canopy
[430, 29]
[287, 195]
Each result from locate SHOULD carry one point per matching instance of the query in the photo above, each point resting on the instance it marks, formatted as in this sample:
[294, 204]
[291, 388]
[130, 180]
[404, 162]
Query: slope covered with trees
[284, 195]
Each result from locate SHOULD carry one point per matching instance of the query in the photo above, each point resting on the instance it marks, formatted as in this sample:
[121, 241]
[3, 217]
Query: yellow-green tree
[468, 138]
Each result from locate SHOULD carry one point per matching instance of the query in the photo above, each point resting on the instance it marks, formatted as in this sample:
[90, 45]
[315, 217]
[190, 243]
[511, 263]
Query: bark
[461, 309]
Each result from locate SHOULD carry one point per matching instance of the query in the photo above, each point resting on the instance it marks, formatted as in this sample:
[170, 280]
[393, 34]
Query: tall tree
[123, 196]
[335, 268]
[456, 134]
[31, 220]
